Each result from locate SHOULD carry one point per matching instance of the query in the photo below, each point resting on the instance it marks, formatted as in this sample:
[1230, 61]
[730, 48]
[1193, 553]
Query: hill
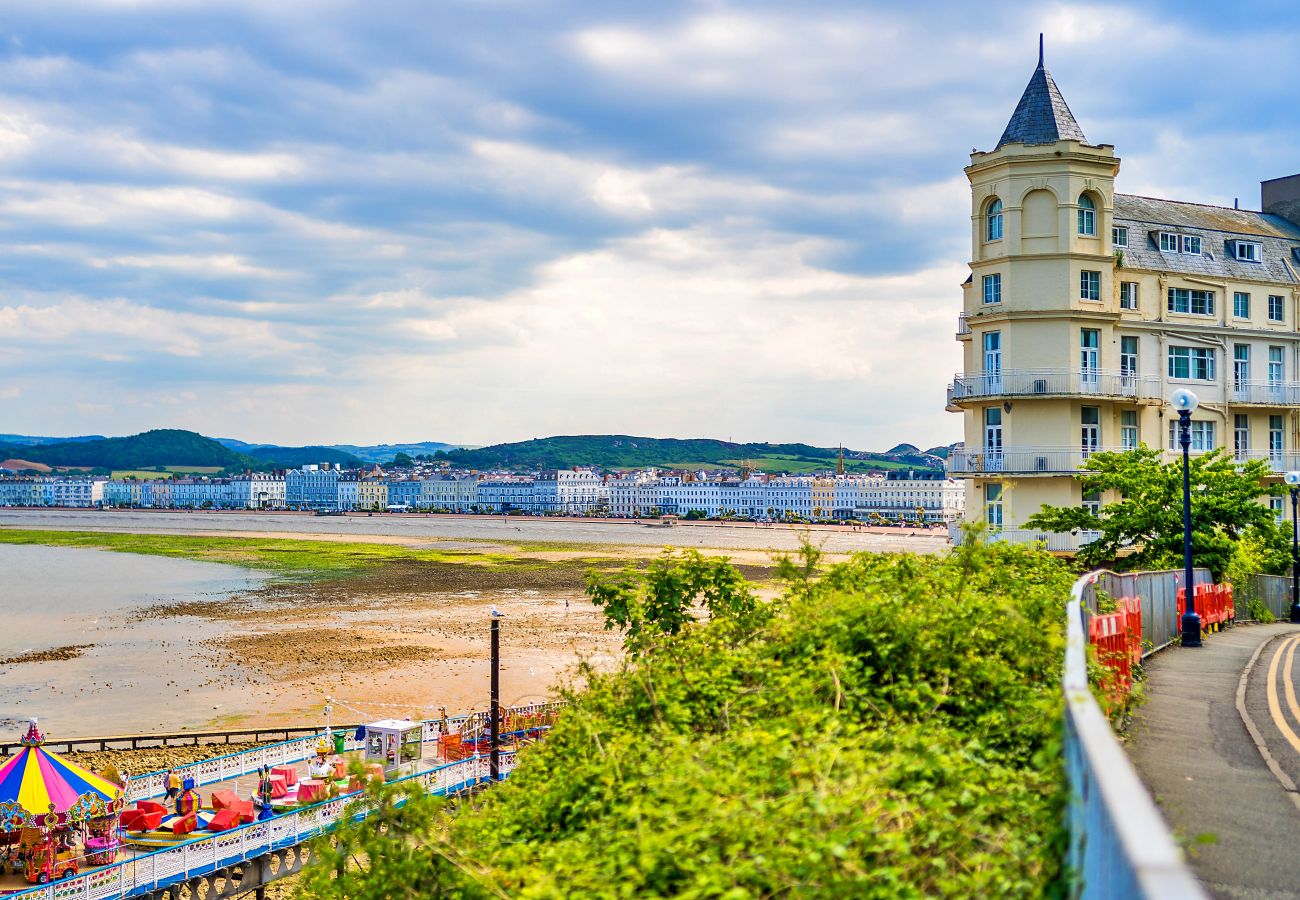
[161, 447]
[620, 451]
[293, 457]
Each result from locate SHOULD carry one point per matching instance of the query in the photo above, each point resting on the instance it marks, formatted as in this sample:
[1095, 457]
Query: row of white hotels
[910, 495]
[1086, 308]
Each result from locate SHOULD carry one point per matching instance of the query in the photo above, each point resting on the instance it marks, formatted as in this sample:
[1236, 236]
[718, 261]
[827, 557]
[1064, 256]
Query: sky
[327, 221]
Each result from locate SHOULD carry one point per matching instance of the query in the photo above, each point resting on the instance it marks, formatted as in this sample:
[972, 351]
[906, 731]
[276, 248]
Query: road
[741, 536]
[1196, 741]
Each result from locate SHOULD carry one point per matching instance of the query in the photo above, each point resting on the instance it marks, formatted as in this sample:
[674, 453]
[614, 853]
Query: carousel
[55, 816]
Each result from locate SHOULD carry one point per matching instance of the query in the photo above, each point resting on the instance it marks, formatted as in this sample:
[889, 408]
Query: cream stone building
[1087, 308]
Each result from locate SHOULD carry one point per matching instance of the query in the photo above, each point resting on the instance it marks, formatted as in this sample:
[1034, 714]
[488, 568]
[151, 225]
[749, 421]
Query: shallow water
[140, 674]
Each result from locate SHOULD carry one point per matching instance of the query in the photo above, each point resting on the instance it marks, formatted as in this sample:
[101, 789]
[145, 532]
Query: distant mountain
[162, 447]
[28, 440]
[899, 449]
[619, 451]
[944, 452]
[382, 453]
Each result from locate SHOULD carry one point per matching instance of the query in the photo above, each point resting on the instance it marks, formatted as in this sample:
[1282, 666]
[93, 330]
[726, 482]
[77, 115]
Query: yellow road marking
[1274, 708]
[1288, 682]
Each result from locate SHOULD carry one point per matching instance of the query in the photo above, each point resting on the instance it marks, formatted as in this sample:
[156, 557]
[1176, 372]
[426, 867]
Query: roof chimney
[1281, 197]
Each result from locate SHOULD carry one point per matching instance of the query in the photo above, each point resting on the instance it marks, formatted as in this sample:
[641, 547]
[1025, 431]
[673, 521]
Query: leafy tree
[694, 515]
[1148, 518]
[403, 461]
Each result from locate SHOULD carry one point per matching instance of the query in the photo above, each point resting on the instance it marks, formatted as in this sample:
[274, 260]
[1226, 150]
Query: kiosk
[396, 744]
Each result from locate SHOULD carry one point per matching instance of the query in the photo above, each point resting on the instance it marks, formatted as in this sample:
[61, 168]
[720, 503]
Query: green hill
[293, 457]
[161, 447]
[620, 451]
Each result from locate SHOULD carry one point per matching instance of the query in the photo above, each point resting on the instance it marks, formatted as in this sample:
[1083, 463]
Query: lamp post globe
[1189, 626]
[1292, 480]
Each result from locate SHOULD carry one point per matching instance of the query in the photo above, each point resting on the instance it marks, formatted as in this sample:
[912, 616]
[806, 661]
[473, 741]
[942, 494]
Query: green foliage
[694, 515]
[659, 602]
[888, 730]
[1149, 518]
[621, 451]
[161, 447]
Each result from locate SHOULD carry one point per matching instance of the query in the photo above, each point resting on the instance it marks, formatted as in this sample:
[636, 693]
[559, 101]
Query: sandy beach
[406, 636]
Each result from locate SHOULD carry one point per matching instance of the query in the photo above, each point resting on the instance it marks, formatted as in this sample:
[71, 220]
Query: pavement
[1217, 742]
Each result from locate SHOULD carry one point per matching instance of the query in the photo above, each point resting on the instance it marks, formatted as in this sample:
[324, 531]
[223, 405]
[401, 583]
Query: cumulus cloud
[331, 221]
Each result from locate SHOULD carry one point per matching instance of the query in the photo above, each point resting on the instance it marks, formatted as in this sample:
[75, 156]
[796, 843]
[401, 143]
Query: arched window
[993, 221]
[1087, 215]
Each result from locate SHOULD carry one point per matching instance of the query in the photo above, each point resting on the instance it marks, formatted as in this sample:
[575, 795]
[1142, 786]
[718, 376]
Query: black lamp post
[1184, 401]
[1293, 482]
[494, 722]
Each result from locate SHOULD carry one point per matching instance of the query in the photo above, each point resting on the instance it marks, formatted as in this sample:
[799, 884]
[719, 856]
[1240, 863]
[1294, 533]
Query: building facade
[312, 487]
[1086, 308]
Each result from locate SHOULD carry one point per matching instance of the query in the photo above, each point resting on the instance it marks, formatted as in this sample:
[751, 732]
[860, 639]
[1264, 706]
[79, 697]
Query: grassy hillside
[620, 451]
[161, 447]
[853, 738]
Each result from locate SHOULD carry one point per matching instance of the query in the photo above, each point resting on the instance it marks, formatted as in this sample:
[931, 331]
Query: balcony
[963, 326]
[1280, 461]
[1053, 383]
[1266, 393]
[1055, 542]
[1020, 461]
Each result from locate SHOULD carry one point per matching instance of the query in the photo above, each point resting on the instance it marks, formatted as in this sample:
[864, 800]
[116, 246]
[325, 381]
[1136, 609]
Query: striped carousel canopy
[35, 783]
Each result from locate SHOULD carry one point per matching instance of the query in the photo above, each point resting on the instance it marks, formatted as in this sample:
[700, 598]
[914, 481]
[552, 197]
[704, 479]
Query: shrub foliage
[888, 729]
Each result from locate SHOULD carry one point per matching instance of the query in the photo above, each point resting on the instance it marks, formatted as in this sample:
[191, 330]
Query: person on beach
[173, 784]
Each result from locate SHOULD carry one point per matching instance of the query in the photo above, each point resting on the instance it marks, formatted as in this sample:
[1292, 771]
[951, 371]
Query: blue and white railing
[1119, 845]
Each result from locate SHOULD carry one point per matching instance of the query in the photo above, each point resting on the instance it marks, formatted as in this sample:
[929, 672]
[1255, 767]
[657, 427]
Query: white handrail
[1119, 844]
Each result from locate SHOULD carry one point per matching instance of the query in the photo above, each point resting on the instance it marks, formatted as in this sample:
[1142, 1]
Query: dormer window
[1248, 251]
[1191, 244]
[1119, 236]
[993, 221]
[1087, 216]
[1168, 242]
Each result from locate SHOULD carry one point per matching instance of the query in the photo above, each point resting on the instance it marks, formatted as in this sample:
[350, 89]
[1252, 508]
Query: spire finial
[1040, 49]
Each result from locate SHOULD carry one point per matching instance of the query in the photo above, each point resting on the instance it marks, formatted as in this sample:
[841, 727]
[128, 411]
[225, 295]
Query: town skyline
[491, 225]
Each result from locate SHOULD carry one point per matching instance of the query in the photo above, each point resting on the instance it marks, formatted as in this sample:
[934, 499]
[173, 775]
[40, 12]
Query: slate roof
[1145, 217]
[1041, 116]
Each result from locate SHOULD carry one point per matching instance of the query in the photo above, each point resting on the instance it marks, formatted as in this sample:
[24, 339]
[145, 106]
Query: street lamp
[494, 724]
[1184, 401]
[1293, 482]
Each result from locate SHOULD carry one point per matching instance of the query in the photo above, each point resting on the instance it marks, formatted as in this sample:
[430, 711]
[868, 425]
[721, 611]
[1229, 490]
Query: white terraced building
[1086, 308]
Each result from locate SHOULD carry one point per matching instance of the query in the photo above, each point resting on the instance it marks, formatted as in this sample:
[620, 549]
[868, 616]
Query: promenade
[401, 528]
[1196, 741]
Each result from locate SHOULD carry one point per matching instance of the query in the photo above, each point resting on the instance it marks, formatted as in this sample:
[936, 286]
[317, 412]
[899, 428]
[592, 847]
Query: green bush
[889, 729]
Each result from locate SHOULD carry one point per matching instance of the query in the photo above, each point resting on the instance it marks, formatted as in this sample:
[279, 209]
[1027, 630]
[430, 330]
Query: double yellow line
[1287, 648]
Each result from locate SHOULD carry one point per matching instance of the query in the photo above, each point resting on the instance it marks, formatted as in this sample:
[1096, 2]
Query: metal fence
[1119, 846]
[1273, 590]
[1158, 593]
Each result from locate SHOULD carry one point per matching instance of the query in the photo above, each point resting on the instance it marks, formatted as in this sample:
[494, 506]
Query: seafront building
[1086, 308]
[751, 495]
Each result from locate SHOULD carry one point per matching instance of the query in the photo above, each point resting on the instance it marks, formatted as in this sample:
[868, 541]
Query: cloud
[332, 221]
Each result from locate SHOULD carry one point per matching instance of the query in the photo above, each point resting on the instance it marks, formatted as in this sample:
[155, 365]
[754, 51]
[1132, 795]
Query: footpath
[1236, 813]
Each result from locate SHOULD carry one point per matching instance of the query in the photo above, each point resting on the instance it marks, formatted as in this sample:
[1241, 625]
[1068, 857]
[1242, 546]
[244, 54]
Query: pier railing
[248, 762]
[197, 858]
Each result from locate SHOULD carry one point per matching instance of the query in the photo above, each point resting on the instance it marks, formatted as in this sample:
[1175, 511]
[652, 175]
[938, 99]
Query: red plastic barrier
[1133, 607]
[1213, 603]
[1111, 636]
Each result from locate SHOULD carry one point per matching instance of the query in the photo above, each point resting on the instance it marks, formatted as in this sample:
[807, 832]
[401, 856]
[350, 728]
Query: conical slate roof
[1041, 116]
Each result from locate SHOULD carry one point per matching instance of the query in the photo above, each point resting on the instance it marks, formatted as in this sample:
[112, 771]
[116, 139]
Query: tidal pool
[136, 673]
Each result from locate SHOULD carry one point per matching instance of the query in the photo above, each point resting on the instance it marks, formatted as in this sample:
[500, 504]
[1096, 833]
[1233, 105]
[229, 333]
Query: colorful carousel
[55, 816]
